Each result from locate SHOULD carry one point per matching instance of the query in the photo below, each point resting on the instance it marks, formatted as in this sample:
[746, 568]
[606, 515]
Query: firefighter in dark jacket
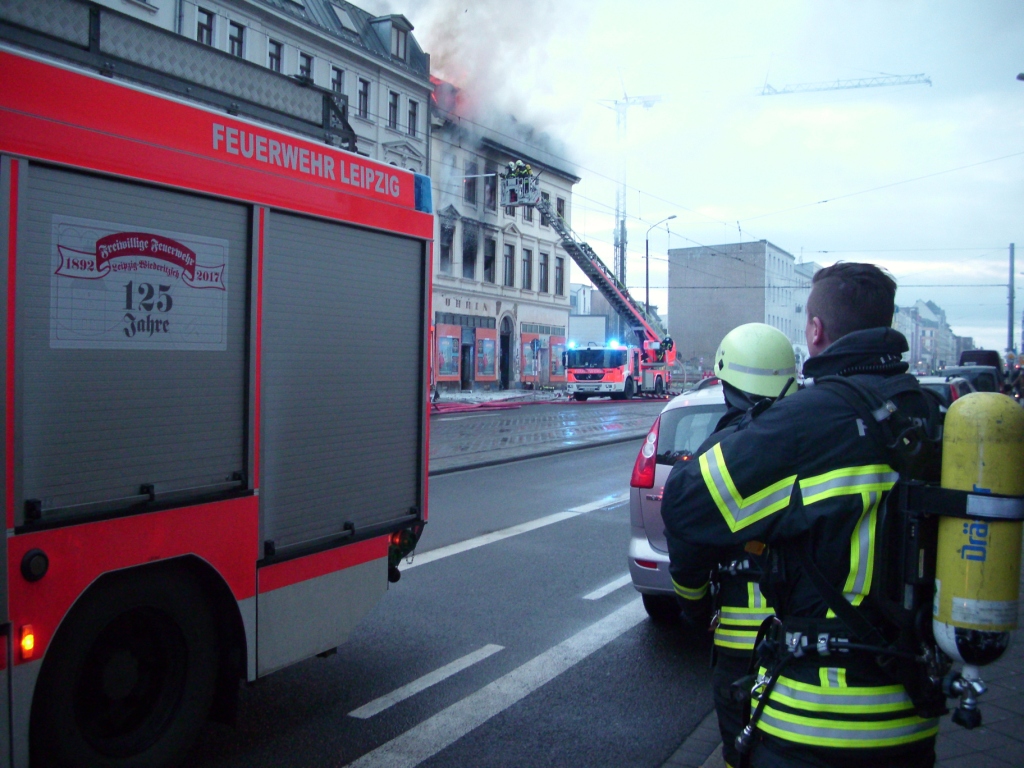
[756, 365]
[807, 476]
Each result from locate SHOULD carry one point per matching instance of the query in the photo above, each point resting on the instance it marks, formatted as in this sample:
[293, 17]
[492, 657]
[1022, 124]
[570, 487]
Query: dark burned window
[559, 276]
[274, 50]
[236, 39]
[527, 269]
[337, 80]
[491, 187]
[470, 248]
[542, 273]
[490, 250]
[527, 213]
[204, 26]
[560, 207]
[445, 260]
[469, 182]
[544, 219]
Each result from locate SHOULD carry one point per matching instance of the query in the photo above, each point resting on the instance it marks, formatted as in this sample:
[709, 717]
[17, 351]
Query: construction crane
[621, 107]
[840, 85]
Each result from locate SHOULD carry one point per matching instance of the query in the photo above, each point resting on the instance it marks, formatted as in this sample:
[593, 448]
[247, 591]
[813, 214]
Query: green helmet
[757, 359]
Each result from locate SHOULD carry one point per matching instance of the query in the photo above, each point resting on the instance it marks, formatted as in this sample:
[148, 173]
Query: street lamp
[647, 261]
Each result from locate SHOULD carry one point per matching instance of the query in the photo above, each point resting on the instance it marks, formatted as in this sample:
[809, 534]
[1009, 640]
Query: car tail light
[954, 393]
[646, 460]
[647, 564]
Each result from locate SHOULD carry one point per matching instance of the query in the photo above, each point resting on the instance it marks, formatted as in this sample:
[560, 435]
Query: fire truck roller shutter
[342, 378]
[132, 372]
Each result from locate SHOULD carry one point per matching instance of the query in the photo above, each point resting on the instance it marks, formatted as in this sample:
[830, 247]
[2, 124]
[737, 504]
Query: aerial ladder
[520, 187]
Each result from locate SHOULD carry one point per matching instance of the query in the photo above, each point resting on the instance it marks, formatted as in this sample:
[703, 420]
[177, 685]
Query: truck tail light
[646, 460]
[27, 642]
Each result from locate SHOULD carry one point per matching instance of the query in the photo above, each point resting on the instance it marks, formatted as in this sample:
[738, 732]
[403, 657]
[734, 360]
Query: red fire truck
[196, 489]
[619, 372]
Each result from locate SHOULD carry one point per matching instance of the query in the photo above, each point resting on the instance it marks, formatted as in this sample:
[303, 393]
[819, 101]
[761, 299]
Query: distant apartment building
[501, 277]
[713, 289]
[373, 63]
[932, 343]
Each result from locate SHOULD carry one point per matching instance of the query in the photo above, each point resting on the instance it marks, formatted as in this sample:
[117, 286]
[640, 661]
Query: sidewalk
[998, 743]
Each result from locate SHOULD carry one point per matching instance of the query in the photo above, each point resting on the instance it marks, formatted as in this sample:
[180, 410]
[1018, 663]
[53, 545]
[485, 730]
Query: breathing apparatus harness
[899, 600]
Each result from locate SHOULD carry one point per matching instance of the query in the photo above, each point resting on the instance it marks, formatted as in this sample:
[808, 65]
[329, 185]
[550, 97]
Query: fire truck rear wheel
[130, 676]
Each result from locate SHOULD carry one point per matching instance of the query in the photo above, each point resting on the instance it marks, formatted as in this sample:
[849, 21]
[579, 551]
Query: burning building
[501, 304]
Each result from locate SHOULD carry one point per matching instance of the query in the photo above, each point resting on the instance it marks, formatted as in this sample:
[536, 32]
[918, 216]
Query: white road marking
[515, 530]
[423, 741]
[608, 588]
[406, 691]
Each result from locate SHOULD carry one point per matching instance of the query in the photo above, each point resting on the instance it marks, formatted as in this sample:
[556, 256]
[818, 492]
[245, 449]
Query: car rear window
[985, 382]
[682, 430]
[942, 390]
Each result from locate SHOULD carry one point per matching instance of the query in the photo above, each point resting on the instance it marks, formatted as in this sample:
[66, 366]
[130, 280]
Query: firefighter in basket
[808, 477]
[757, 365]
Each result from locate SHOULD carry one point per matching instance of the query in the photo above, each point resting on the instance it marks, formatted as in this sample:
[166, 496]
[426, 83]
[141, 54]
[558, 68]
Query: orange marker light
[28, 641]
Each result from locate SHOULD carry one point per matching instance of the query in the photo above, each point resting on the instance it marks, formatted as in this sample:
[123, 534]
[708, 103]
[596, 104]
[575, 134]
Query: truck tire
[130, 676]
[659, 387]
[580, 397]
[663, 609]
[629, 390]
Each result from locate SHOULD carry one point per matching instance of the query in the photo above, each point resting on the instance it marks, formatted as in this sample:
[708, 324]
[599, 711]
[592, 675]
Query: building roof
[500, 132]
[350, 24]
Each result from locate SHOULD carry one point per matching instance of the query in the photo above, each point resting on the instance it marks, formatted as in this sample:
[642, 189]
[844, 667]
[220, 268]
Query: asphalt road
[523, 647]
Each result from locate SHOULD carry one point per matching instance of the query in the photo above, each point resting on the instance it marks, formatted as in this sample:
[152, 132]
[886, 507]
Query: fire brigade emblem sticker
[117, 286]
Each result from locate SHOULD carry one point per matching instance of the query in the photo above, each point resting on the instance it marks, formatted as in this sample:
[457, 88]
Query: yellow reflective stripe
[848, 481]
[766, 611]
[846, 733]
[739, 512]
[690, 594]
[860, 706]
[741, 644]
[744, 622]
[754, 597]
[857, 690]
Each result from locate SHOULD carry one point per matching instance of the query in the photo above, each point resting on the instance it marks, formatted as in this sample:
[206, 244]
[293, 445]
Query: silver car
[678, 432]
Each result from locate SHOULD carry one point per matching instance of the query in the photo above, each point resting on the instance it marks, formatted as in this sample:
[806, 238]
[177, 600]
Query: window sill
[361, 119]
[142, 4]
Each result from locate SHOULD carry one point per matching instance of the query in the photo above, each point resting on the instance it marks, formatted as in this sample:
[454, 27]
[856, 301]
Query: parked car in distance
[685, 422]
[949, 388]
[984, 378]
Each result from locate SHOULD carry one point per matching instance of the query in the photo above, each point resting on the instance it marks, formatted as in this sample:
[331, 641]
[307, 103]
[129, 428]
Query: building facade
[501, 277]
[713, 289]
[374, 63]
[932, 343]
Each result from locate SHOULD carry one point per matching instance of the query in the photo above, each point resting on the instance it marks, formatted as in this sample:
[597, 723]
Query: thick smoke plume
[498, 52]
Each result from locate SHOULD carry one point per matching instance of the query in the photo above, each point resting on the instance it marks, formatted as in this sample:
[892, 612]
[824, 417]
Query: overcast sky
[732, 164]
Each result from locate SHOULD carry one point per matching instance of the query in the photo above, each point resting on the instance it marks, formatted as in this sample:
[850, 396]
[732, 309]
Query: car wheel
[580, 398]
[130, 677]
[663, 609]
[659, 387]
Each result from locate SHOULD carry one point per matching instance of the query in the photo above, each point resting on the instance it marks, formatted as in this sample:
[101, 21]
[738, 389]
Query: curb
[700, 746]
[538, 454]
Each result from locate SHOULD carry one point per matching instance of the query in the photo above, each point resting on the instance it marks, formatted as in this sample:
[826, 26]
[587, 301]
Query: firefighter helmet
[757, 359]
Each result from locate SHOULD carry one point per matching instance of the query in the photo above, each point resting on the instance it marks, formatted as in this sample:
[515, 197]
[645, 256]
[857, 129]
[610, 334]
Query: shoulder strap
[862, 630]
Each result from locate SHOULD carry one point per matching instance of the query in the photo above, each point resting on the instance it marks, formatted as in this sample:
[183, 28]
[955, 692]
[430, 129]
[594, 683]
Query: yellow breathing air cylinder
[977, 573]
